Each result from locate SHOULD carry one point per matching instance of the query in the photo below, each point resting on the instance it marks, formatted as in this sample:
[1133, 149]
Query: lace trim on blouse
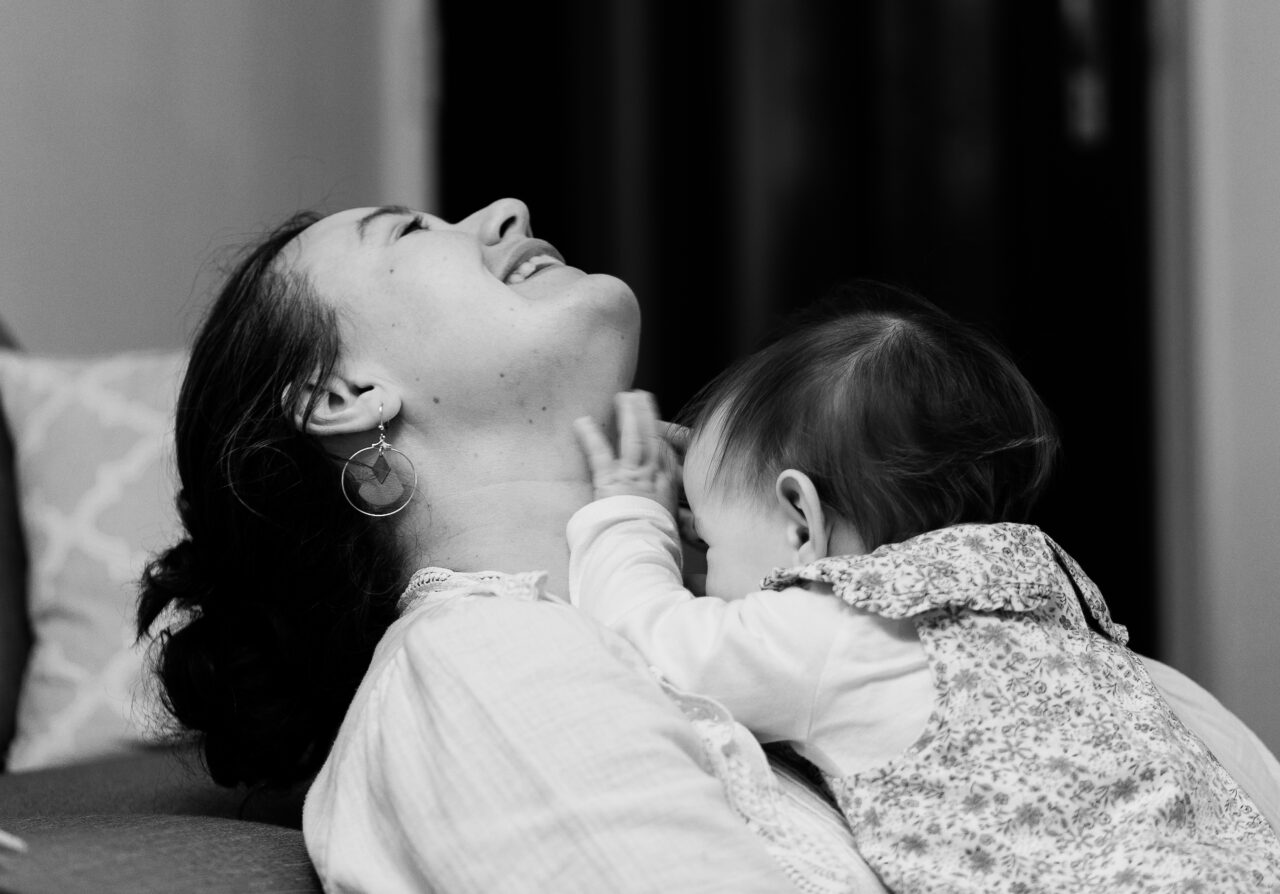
[428, 582]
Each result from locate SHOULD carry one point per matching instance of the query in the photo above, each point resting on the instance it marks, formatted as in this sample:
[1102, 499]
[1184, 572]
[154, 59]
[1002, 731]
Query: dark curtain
[731, 159]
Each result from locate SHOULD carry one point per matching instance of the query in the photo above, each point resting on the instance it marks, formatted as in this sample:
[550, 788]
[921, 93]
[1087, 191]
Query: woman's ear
[807, 530]
[344, 405]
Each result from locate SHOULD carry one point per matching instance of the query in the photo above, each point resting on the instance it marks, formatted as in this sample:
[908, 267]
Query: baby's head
[874, 417]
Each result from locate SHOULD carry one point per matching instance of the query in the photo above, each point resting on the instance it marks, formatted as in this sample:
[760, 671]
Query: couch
[117, 811]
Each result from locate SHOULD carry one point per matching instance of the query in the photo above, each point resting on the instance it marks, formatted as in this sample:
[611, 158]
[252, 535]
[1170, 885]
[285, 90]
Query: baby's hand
[645, 464]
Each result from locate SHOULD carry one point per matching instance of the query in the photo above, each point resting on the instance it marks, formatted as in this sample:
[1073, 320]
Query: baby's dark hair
[905, 418]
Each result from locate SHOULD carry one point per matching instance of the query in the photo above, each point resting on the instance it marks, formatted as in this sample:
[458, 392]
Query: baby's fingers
[630, 436]
[676, 436]
[638, 444]
[647, 413]
[595, 446]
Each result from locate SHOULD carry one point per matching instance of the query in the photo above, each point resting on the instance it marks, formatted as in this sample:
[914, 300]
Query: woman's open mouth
[528, 259]
[532, 266]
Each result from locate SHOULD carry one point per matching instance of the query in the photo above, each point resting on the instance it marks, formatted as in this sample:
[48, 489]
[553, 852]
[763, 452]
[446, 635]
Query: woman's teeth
[530, 267]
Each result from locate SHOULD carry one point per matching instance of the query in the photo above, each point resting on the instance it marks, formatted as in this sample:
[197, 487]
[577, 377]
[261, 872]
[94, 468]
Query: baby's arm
[761, 656]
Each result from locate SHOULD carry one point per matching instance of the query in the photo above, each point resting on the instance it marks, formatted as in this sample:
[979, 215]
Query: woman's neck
[507, 529]
[506, 513]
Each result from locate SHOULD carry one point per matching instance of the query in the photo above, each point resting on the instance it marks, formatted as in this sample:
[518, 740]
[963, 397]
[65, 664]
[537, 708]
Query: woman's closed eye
[414, 223]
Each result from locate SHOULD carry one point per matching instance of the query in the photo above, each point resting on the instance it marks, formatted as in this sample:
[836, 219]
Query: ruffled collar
[431, 581]
[987, 567]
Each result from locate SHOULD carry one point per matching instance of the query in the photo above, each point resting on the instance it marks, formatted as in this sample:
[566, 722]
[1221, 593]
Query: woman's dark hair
[905, 418]
[273, 602]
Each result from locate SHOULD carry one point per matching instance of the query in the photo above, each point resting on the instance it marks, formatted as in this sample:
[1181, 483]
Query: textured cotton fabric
[502, 741]
[1051, 762]
[1236, 747]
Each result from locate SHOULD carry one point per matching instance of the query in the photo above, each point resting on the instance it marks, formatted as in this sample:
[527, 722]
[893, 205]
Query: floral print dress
[1050, 762]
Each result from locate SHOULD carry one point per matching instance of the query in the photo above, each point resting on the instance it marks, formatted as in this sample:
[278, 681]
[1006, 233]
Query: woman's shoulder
[459, 649]
[464, 655]
[458, 624]
[479, 706]
[494, 626]
[440, 605]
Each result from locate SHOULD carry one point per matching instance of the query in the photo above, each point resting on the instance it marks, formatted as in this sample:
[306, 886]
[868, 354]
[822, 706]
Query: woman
[500, 742]
[378, 391]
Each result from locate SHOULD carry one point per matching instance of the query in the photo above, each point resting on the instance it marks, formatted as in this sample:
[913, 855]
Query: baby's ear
[808, 533]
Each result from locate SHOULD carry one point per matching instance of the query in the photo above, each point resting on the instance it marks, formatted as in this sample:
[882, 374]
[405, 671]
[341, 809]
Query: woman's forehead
[339, 234]
[352, 224]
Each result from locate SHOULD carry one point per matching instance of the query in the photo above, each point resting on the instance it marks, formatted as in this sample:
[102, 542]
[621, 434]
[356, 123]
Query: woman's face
[477, 314]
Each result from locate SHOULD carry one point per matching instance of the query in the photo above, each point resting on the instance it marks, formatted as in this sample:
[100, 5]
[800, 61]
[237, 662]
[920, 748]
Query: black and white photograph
[639, 446]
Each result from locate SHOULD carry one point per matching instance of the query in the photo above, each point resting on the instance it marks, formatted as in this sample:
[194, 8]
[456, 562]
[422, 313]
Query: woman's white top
[502, 741]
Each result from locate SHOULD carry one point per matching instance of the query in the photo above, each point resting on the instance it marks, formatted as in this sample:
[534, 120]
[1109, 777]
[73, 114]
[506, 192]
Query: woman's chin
[613, 317]
[608, 294]
[608, 299]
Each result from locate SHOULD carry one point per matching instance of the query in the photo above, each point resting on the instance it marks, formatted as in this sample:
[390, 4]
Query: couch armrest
[156, 781]
[15, 630]
[141, 854]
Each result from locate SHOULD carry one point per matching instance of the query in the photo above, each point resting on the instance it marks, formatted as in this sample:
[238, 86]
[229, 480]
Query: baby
[872, 600]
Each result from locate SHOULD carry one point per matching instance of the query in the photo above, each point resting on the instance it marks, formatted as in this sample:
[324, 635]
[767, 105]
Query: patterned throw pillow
[93, 460]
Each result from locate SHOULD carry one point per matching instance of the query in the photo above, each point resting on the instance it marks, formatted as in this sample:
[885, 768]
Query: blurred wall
[1218, 218]
[139, 138]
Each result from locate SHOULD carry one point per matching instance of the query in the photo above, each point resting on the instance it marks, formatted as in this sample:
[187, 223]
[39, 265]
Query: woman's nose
[503, 219]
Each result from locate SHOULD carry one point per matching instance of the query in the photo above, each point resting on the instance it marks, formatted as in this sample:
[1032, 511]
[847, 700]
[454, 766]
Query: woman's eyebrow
[362, 225]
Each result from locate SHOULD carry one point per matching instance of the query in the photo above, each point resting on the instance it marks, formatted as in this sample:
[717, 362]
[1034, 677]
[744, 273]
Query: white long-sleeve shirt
[849, 689]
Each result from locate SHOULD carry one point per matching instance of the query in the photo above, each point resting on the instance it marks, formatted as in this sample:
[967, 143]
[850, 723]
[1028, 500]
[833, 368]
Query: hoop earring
[380, 485]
